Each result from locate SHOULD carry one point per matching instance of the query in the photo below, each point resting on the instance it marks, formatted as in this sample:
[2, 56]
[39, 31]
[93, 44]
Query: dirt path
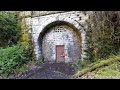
[51, 71]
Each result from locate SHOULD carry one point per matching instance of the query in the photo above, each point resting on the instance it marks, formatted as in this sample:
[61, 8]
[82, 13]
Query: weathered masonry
[58, 36]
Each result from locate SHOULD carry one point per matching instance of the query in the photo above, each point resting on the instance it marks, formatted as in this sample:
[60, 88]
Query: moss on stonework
[25, 38]
[109, 72]
[101, 64]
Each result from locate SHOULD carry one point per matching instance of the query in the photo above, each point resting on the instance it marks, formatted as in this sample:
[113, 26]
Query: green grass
[99, 64]
[109, 72]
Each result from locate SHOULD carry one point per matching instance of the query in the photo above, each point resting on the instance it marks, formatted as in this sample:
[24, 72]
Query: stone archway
[48, 21]
[64, 34]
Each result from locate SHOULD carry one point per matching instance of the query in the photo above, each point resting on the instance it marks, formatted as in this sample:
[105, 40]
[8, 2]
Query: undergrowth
[97, 64]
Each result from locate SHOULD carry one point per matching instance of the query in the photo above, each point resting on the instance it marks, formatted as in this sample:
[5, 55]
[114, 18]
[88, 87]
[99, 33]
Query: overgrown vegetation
[79, 65]
[26, 39]
[104, 34]
[103, 42]
[109, 72]
[15, 52]
[9, 29]
[12, 58]
[97, 64]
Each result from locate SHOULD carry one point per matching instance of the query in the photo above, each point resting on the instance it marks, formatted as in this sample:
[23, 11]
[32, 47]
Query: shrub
[9, 29]
[12, 58]
[80, 64]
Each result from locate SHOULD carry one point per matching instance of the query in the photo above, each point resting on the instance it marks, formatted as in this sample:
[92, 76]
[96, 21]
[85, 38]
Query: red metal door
[60, 53]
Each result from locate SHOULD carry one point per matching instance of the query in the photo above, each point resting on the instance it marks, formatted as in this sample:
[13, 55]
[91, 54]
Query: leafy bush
[80, 64]
[9, 29]
[12, 58]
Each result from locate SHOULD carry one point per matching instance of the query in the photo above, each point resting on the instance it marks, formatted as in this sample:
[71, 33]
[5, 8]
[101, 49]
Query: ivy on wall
[26, 39]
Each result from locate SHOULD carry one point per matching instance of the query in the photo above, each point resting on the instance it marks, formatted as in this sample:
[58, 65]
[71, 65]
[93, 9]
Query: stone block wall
[62, 35]
[38, 22]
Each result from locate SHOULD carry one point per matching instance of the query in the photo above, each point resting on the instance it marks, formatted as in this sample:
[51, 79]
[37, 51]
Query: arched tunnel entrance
[60, 41]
